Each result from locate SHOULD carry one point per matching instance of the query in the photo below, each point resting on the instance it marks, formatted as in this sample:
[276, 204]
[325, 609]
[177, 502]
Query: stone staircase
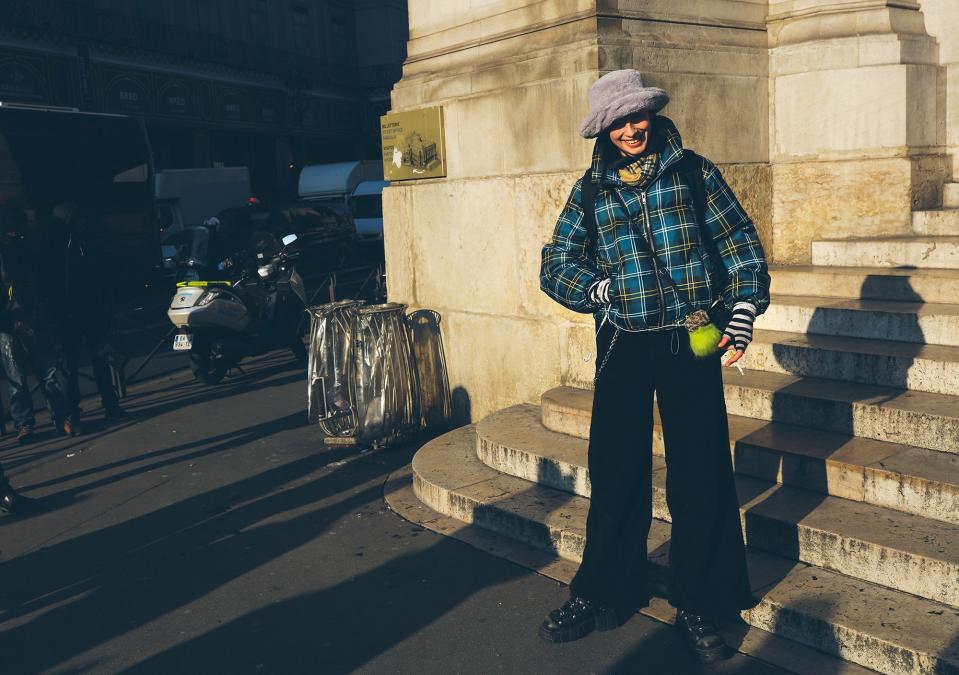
[934, 242]
[844, 432]
[944, 221]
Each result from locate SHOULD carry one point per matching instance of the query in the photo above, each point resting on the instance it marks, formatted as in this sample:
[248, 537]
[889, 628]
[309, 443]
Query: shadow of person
[134, 572]
[349, 624]
[342, 627]
[461, 407]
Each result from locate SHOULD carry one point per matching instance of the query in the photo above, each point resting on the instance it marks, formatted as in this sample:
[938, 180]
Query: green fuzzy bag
[704, 335]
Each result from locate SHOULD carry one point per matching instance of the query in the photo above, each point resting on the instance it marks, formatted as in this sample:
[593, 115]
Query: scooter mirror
[288, 239]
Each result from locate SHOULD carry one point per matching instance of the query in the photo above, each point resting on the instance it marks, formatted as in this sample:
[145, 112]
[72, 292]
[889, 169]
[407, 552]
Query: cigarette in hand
[730, 354]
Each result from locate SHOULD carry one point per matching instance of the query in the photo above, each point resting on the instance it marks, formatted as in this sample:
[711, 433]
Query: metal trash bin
[362, 374]
[331, 399]
[386, 387]
[431, 375]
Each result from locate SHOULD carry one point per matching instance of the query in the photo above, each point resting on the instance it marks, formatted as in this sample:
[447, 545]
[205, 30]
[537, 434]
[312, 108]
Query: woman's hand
[598, 293]
[739, 332]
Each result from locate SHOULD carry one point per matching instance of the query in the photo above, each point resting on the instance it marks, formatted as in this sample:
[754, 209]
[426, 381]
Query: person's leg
[612, 581]
[707, 555]
[613, 570]
[71, 372]
[49, 373]
[96, 347]
[14, 361]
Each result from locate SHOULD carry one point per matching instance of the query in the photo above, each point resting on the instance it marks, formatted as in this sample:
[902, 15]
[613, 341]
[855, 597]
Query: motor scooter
[222, 321]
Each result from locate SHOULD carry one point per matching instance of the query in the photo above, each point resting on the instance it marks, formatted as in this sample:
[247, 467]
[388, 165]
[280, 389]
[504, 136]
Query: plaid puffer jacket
[655, 292]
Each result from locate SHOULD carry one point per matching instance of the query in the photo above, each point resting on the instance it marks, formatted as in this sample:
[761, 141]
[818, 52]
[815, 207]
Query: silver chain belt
[609, 352]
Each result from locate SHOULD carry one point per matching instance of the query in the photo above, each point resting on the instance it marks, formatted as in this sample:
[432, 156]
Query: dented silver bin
[386, 387]
[362, 374]
[331, 399]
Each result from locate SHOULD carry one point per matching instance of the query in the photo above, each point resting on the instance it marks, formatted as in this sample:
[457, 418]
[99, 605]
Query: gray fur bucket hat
[618, 94]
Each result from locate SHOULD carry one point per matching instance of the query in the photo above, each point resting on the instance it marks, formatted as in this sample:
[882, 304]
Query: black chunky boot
[702, 637]
[578, 618]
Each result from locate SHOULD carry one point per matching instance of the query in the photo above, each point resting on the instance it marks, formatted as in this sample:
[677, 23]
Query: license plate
[182, 342]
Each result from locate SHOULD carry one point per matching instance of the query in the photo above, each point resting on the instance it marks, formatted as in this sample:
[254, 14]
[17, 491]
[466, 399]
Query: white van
[187, 197]
[366, 206]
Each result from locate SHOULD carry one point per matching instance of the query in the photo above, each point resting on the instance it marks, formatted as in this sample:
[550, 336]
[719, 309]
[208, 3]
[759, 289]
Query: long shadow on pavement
[191, 394]
[102, 585]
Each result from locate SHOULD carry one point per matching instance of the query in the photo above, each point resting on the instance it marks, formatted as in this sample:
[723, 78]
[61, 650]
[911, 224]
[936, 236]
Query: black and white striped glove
[740, 328]
[598, 293]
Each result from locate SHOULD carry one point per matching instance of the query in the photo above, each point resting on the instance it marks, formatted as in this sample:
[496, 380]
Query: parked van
[366, 206]
[336, 182]
[187, 197]
[60, 157]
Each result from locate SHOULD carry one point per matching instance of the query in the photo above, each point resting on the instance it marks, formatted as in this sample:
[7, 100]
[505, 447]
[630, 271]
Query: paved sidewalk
[215, 533]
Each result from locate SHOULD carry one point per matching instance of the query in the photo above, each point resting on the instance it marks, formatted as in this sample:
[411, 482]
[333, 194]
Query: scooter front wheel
[206, 362]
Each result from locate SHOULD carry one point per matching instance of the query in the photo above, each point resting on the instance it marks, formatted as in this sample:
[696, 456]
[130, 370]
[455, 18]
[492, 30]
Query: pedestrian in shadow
[25, 342]
[653, 242]
[76, 287]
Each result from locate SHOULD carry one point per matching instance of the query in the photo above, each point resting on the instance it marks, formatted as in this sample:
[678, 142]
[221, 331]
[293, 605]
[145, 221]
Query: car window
[316, 221]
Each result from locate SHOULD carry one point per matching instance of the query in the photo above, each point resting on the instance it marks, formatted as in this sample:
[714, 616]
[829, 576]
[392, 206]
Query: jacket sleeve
[737, 242]
[566, 273]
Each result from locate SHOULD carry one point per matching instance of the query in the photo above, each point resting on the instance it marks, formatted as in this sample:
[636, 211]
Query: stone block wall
[827, 117]
[856, 120]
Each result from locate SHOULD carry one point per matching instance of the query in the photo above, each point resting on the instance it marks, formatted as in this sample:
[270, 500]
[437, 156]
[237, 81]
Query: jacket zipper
[652, 251]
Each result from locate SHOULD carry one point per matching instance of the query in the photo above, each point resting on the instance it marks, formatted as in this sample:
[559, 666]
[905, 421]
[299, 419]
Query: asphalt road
[214, 532]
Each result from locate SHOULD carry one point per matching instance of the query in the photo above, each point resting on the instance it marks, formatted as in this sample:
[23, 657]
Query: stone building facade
[832, 119]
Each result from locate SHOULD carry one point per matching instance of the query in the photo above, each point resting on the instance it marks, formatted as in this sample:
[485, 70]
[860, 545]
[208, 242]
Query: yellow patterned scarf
[641, 172]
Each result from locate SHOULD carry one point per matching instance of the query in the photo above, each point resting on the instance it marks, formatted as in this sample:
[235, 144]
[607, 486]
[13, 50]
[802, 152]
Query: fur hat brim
[652, 99]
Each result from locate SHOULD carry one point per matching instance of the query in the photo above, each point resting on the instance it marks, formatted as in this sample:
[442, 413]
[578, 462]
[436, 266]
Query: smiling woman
[651, 241]
[631, 134]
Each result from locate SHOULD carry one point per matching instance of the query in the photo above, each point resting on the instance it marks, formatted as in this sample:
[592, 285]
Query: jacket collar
[672, 152]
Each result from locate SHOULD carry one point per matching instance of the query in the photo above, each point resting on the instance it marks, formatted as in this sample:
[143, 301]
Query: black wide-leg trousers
[706, 553]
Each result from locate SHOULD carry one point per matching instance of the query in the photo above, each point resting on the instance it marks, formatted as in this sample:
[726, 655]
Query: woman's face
[631, 134]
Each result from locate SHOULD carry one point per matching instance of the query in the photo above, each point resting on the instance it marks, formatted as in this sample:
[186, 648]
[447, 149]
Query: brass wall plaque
[413, 144]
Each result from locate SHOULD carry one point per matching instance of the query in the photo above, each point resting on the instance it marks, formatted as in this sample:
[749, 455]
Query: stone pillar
[942, 22]
[512, 77]
[856, 120]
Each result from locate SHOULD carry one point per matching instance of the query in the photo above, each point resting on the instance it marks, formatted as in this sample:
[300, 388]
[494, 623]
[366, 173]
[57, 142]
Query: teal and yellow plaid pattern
[687, 277]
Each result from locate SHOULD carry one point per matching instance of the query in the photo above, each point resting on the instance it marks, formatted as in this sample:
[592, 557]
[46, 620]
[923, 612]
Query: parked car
[326, 236]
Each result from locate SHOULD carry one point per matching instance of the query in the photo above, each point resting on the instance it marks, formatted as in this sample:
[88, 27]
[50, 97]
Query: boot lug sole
[566, 634]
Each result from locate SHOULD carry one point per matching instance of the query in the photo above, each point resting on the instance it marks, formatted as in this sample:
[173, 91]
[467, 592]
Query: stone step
[938, 223]
[866, 283]
[904, 365]
[791, 657]
[889, 631]
[902, 551]
[890, 251]
[916, 418]
[895, 476]
[918, 323]
[950, 196]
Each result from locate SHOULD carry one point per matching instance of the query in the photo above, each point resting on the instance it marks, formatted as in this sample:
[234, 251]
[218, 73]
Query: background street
[215, 532]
